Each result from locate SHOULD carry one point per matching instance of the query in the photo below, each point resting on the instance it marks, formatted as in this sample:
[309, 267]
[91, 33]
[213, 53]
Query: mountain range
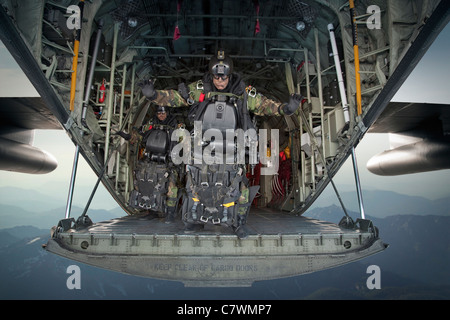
[37, 208]
[31, 207]
[380, 204]
[416, 265]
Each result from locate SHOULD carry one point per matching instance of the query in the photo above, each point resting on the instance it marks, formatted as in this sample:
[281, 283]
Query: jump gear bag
[151, 186]
[152, 173]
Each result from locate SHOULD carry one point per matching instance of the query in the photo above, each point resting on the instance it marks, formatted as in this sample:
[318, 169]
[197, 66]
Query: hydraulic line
[72, 182]
[358, 184]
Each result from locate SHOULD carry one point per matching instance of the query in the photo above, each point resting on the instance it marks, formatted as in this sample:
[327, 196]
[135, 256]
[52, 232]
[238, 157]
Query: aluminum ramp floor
[278, 245]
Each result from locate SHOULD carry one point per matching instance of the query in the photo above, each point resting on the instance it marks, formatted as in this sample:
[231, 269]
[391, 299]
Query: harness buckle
[204, 184]
[215, 221]
[203, 219]
[189, 100]
[251, 91]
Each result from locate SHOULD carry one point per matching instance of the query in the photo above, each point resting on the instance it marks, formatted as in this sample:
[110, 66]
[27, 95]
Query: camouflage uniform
[256, 102]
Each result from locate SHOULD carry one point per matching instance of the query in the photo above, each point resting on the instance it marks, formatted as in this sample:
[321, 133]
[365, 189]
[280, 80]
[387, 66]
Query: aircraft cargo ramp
[279, 245]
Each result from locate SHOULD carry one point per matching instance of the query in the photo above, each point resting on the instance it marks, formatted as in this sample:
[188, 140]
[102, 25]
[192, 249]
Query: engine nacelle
[18, 155]
[423, 156]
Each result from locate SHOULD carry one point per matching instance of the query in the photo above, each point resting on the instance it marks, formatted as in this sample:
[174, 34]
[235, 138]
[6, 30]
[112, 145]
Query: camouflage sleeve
[169, 98]
[261, 105]
[174, 99]
[195, 90]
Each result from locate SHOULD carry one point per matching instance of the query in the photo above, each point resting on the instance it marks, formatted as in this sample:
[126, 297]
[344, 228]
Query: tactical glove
[148, 89]
[293, 104]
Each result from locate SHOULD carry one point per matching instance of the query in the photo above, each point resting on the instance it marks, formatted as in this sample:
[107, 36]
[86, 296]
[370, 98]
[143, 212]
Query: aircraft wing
[19, 117]
[28, 113]
[420, 140]
[400, 117]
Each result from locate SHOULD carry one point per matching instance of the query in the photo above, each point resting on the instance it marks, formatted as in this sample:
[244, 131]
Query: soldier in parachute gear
[219, 86]
[156, 177]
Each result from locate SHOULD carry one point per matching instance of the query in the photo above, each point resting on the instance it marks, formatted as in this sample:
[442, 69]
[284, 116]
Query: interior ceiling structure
[253, 33]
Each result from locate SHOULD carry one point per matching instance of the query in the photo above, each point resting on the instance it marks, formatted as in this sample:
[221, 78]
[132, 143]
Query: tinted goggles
[222, 76]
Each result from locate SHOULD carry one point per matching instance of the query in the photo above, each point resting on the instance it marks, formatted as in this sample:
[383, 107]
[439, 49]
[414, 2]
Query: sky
[427, 83]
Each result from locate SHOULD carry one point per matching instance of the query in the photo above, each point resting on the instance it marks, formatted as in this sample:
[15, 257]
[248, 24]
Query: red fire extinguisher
[101, 98]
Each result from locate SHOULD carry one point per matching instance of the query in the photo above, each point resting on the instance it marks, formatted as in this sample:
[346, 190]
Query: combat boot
[193, 227]
[170, 218]
[241, 229]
